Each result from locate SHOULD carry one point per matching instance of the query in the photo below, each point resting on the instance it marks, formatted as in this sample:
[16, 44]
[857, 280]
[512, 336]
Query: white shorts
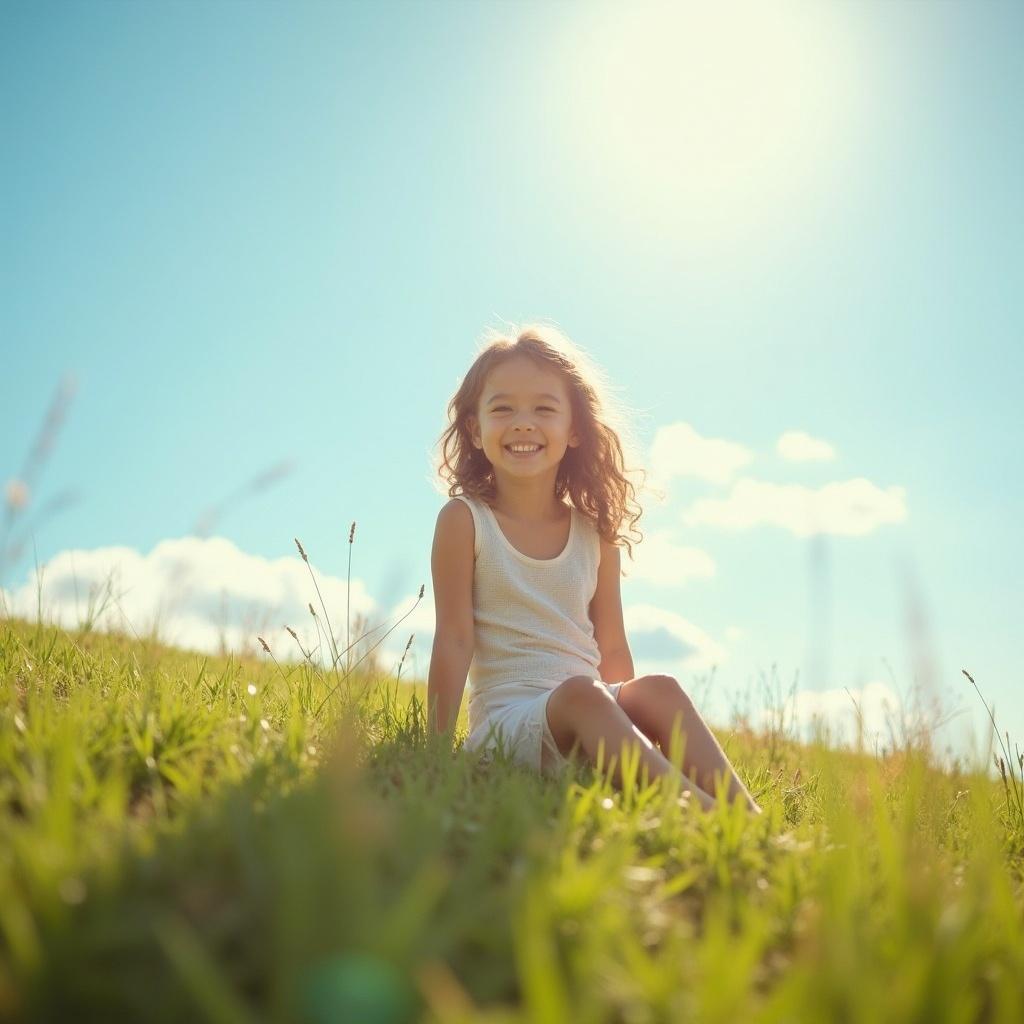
[516, 713]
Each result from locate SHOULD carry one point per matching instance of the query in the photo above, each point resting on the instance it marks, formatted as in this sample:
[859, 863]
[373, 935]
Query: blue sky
[264, 232]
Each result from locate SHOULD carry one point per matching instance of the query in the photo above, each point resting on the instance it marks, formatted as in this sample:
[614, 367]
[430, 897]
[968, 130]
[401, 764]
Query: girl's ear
[474, 432]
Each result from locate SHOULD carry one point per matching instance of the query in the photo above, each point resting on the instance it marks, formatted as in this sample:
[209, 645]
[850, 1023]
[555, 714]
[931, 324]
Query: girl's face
[523, 404]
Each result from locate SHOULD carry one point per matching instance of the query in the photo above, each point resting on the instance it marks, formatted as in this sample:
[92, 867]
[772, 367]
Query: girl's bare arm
[451, 565]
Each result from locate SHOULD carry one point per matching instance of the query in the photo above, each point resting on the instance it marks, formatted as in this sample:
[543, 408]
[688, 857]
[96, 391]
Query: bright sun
[704, 113]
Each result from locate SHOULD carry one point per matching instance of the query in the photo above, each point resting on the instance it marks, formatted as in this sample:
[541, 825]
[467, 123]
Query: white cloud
[664, 642]
[678, 450]
[797, 446]
[659, 560]
[833, 713]
[849, 507]
[197, 592]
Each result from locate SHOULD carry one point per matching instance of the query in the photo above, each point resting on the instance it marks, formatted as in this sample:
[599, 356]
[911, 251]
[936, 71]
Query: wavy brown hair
[593, 474]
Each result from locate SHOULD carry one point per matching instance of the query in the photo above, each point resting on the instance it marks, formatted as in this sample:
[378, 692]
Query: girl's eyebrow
[544, 394]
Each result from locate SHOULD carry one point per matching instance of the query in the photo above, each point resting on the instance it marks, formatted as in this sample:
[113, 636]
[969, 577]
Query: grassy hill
[188, 838]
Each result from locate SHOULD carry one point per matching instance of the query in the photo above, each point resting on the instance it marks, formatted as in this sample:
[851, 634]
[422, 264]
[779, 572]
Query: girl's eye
[500, 408]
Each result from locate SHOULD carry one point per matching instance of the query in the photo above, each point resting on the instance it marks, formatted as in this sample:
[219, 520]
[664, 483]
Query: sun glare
[705, 114]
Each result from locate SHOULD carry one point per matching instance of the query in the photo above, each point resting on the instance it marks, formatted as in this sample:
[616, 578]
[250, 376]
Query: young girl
[526, 583]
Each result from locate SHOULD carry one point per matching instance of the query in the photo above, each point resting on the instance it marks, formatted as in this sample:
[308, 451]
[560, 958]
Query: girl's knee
[568, 704]
[577, 696]
[583, 689]
[670, 688]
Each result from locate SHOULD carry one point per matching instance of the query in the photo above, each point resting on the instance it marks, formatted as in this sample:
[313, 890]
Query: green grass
[176, 848]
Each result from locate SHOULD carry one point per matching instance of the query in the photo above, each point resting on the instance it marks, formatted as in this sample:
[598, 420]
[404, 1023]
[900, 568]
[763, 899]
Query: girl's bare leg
[581, 712]
[656, 704]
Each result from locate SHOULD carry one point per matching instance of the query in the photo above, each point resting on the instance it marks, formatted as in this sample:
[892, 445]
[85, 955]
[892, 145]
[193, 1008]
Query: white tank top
[531, 616]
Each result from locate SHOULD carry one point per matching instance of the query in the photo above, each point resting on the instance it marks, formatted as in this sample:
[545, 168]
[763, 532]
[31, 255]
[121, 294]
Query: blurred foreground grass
[183, 839]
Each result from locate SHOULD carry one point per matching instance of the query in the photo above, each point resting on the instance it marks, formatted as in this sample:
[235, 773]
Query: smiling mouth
[523, 454]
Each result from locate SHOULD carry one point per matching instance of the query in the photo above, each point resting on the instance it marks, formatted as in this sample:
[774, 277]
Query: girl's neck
[529, 505]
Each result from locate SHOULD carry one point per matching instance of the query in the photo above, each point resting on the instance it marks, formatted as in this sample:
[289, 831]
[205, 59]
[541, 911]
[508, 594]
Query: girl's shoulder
[468, 499]
[465, 501]
[464, 519]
